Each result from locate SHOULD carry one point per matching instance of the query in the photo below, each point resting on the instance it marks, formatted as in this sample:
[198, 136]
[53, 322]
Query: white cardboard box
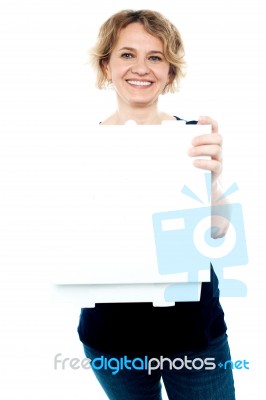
[88, 199]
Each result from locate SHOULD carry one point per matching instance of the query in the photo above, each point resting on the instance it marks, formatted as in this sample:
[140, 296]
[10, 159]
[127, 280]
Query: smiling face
[137, 67]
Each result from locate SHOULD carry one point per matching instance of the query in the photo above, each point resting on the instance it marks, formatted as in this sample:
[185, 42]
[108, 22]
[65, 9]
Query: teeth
[139, 83]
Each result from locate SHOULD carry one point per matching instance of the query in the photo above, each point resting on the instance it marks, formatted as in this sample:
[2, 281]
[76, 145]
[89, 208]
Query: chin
[142, 101]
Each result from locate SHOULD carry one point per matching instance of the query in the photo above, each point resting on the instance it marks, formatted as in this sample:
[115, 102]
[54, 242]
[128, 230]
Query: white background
[47, 84]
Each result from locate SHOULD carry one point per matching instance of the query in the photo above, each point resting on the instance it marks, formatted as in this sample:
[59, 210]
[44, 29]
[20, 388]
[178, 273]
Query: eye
[155, 58]
[127, 55]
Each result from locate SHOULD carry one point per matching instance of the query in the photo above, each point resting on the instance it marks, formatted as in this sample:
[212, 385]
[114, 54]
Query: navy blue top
[142, 329]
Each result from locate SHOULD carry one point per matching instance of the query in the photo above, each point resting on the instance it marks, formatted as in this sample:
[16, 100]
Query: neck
[148, 115]
[141, 115]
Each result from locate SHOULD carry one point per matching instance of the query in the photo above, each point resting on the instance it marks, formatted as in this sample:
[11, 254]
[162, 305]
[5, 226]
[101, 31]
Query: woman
[141, 54]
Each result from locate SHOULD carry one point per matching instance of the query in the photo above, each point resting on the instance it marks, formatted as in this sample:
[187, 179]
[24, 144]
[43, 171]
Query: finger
[214, 166]
[213, 151]
[213, 138]
[205, 120]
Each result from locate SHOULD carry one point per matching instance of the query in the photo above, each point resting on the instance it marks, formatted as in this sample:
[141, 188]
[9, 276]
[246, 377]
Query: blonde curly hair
[156, 25]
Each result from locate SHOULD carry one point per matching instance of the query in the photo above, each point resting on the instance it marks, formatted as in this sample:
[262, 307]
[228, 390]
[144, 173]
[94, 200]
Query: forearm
[220, 211]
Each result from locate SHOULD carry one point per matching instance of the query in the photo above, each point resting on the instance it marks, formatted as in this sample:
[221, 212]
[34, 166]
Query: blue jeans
[190, 377]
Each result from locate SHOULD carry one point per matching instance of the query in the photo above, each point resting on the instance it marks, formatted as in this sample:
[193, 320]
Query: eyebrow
[132, 49]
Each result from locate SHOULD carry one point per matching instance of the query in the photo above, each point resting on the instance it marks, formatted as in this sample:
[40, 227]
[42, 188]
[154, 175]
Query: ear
[106, 70]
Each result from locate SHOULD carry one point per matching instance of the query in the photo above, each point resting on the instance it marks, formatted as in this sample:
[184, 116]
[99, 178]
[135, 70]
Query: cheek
[118, 73]
[114, 71]
[165, 78]
[164, 75]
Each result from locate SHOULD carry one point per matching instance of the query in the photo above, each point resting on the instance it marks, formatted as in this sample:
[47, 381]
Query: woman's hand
[211, 145]
[208, 145]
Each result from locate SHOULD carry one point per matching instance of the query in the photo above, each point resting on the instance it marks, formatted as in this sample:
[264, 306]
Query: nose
[140, 66]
